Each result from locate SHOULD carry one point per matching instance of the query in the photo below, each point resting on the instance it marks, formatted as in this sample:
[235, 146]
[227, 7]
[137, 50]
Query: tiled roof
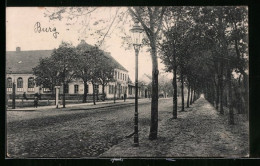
[22, 62]
[118, 65]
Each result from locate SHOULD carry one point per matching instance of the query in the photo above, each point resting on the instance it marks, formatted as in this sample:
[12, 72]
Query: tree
[164, 85]
[46, 74]
[64, 57]
[221, 34]
[178, 38]
[96, 74]
[105, 72]
[151, 20]
[83, 68]
[238, 21]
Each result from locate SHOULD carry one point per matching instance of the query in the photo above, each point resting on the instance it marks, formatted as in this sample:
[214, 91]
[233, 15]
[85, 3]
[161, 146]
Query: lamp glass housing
[136, 34]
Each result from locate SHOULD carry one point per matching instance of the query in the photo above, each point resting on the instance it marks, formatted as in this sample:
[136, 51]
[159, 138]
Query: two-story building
[19, 65]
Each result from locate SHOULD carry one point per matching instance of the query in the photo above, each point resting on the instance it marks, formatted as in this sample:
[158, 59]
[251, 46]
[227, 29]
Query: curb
[71, 107]
[29, 110]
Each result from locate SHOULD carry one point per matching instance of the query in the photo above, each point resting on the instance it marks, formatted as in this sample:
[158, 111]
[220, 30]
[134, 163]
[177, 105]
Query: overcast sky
[20, 22]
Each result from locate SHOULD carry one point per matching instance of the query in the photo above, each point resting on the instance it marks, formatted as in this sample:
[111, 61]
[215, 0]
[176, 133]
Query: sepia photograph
[127, 82]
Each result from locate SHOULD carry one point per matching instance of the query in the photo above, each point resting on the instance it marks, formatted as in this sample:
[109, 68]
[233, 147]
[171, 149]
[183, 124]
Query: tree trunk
[94, 94]
[175, 100]
[230, 103]
[191, 97]
[193, 100]
[226, 98]
[85, 92]
[245, 79]
[103, 92]
[115, 94]
[217, 96]
[63, 99]
[221, 89]
[182, 93]
[188, 97]
[154, 104]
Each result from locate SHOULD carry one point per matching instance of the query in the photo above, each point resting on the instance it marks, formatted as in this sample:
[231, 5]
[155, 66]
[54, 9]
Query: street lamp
[13, 100]
[13, 89]
[137, 36]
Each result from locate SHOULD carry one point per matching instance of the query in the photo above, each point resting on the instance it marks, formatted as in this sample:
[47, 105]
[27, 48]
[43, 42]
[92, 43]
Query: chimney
[18, 49]
[82, 41]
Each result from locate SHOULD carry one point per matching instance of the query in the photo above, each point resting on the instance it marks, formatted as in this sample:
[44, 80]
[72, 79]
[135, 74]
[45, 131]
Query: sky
[20, 32]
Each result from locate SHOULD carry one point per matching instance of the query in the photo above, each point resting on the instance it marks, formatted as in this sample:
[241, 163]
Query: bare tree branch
[161, 18]
[109, 28]
[138, 17]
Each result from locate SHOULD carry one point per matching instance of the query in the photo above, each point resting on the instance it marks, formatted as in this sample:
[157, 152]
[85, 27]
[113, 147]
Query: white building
[19, 66]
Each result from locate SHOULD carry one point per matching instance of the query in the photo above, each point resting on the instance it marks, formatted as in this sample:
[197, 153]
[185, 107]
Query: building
[19, 65]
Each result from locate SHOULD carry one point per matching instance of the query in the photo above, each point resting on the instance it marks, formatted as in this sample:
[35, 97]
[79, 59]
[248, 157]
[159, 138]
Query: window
[19, 84]
[120, 89]
[66, 88]
[76, 89]
[113, 89]
[9, 84]
[30, 84]
[115, 74]
[123, 76]
[118, 75]
[125, 90]
[130, 90]
[86, 89]
[110, 91]
[96, 89]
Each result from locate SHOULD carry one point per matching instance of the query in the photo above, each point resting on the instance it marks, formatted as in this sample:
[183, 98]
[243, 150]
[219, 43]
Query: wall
[25, 84]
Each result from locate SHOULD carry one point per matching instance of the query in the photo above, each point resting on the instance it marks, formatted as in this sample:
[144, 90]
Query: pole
[136, 138]
[115, 92]
[13, 102]
[63, 96]
[57, 97]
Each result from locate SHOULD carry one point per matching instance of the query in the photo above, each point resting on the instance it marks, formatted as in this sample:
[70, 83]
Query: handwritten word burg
[39, 29]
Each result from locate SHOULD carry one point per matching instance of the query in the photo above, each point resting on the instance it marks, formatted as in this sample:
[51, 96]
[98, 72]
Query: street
[74, 133]
[198, 131]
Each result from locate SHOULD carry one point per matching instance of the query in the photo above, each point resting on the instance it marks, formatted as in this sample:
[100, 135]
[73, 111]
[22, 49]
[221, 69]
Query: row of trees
[207, 48]
[85, 62]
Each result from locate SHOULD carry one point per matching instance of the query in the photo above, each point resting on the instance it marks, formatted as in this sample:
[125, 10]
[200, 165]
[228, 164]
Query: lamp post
[136, 34]
[57, 96]
[13, 91]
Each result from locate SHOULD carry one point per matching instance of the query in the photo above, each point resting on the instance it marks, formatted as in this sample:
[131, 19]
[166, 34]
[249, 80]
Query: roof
[118, 65]
[22, 62]
[146, 79]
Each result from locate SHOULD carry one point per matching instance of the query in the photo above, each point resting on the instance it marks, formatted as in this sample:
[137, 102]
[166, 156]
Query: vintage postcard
[127, 82]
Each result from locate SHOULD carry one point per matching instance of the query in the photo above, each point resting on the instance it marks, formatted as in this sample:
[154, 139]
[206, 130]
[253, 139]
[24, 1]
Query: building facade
[19, 65]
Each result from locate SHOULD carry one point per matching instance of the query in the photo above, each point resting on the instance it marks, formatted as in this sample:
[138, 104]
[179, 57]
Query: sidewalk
[200, 131]
[90, 104]
[49, 111]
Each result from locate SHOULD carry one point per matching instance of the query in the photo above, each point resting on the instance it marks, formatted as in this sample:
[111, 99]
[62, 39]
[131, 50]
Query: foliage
[208, 46]
[46, 73]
